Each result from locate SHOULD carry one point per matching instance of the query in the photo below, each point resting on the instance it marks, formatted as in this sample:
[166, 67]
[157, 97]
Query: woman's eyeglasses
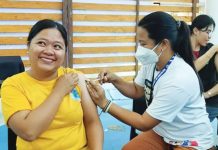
[209, 32]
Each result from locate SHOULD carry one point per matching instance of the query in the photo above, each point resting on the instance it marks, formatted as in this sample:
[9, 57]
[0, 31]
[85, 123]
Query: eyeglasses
[209, 32]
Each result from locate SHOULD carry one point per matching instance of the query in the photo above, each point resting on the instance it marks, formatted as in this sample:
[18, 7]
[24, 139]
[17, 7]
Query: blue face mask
[147, 56]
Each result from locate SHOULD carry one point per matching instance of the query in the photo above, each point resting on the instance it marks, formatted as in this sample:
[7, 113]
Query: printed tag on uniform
[75, 95]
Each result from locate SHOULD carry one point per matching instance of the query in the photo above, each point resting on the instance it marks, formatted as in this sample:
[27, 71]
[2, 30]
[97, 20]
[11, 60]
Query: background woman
[206, 60]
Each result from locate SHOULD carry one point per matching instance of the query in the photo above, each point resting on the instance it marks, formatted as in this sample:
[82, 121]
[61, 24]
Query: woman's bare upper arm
[89, 108]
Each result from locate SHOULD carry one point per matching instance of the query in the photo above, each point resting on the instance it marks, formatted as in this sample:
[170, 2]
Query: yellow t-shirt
[66, 131]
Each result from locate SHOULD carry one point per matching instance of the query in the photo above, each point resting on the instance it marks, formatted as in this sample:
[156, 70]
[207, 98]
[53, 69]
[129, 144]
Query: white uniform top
[178, 104]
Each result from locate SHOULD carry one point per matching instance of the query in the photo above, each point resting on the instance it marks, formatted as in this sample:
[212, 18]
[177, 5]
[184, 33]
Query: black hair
[161, 25]
[45, 24]
[201, 22]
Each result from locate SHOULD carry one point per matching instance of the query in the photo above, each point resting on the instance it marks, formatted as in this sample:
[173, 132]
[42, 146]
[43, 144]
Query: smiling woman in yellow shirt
[48, 106]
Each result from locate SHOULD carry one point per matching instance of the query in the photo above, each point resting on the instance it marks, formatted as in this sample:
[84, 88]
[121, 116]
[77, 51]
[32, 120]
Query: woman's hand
[206, 95]
[66, 83]
[97, 93]
[107, 77]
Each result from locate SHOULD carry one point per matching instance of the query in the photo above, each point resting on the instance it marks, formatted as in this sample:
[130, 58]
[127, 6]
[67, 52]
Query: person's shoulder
[14, 78]
[180, 71]
[63, 70]
[178, 63]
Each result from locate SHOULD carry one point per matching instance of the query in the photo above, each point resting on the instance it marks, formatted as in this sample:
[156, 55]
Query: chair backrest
[10, 65]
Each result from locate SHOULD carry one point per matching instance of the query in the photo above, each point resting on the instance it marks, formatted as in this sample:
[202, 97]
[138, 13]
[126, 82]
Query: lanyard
[154, 81]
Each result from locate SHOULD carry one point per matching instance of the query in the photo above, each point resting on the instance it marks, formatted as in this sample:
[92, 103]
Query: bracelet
[108, 107]
[105, 107]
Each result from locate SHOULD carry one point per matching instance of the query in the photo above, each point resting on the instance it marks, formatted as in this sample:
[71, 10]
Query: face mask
[147, 56]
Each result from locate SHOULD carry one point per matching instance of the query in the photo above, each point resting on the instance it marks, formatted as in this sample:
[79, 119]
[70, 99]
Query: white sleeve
[168, 101]
[140, 78]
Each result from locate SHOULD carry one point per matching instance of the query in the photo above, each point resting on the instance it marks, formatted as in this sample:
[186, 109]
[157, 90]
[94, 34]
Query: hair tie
[178, 23]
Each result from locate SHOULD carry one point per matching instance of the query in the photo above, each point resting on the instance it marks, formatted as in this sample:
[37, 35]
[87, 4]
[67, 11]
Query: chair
[10, 65]
[139, 106]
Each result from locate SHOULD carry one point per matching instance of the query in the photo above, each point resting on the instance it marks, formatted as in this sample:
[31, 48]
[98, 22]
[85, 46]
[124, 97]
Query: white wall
[211, 9]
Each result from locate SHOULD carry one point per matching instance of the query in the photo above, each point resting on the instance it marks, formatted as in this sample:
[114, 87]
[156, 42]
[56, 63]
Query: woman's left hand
[97, 93]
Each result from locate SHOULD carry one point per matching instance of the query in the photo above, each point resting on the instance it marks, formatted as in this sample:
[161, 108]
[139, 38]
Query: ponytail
[183, 43]
[183, 47]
